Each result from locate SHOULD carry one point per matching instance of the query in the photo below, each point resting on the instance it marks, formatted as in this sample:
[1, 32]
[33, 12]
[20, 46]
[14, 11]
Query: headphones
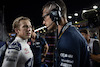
[55, 14]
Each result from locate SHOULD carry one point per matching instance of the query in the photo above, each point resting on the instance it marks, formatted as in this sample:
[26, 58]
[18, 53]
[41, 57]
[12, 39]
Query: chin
[51, 30]
[28, 37]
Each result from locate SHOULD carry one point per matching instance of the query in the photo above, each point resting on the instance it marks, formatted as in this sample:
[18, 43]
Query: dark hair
[84, 31]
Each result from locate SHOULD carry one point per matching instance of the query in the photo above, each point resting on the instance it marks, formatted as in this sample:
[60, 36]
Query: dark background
[12, 9]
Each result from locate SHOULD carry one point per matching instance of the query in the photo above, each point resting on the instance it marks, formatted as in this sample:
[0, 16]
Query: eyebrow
[45, 15]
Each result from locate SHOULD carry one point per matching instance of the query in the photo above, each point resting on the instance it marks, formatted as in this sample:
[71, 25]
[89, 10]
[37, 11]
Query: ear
[17, 30]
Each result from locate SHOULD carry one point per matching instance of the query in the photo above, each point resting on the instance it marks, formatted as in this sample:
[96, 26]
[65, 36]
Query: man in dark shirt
[38, 46]
[94, 48]
[71, 46]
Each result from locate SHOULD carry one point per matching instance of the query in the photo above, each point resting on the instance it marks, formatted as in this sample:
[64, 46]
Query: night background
[12, 9]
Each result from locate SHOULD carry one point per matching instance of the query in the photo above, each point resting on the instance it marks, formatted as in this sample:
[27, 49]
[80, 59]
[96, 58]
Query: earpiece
[55, 14]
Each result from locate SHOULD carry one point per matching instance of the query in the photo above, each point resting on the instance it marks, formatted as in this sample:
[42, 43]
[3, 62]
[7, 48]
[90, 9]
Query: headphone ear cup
[52, 16]
[55, 15]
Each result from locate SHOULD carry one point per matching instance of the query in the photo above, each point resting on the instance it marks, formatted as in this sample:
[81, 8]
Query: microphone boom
[40, 28]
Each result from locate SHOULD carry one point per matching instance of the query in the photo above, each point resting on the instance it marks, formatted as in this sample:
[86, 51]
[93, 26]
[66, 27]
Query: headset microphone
[42, 28]
[39, 29]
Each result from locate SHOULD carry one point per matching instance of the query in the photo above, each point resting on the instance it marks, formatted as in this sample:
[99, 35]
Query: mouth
[28, 34]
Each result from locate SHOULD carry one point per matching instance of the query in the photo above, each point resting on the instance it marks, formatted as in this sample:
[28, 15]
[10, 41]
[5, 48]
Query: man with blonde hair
[18, 53]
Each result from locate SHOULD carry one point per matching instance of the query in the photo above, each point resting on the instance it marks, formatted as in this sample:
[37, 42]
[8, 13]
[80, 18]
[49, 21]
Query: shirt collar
[64, 28]
[19, 39]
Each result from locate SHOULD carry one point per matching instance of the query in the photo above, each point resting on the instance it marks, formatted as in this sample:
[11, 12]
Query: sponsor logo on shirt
[66, 60]
[26, 51]
[11, 58]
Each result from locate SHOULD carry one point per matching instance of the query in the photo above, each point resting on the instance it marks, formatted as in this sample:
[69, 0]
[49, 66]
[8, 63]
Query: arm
[95, 57]
[11, 56]
[46, 48]
[96, 53]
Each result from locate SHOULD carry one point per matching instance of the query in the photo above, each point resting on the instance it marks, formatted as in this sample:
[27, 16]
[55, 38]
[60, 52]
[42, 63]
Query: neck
[63, 22]
[88, 41]
[32, 39]
[59, 28]
[21, 37]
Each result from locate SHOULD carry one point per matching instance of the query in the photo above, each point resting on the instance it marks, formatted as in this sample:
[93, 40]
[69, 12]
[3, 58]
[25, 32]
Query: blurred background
[81, 13]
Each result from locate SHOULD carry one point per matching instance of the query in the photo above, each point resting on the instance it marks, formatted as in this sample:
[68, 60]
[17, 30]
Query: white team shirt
[18, 54]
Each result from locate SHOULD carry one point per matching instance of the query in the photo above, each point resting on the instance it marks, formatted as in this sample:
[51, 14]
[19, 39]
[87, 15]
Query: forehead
[49, 8]
[82, 33]
[45, 11]
[25, 22]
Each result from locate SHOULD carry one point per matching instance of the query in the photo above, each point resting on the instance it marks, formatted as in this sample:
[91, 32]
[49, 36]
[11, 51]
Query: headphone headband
[55, 14]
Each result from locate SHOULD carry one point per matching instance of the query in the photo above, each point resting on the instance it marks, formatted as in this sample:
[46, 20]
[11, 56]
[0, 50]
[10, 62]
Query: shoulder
[74, 33]
[92, 39]
[43, 41]
[15, 45]
[42, 38]
[2, 44]
[96, 42]
[72, 30]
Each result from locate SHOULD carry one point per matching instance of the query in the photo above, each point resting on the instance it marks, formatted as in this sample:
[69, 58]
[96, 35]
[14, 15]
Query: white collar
[19, 39]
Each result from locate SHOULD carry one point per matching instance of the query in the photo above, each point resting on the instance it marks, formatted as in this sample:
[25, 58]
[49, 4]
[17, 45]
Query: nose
[29, 29]
[43, 22]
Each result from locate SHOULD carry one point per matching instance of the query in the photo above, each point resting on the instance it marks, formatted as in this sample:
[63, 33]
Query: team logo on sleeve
[15, 45]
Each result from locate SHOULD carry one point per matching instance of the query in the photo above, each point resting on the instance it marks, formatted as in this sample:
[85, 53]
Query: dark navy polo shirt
[72, 49]
[37, 47]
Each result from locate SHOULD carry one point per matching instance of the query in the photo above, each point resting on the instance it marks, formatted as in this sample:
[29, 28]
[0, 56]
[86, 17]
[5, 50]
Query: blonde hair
[17, 21]
[57, 4]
